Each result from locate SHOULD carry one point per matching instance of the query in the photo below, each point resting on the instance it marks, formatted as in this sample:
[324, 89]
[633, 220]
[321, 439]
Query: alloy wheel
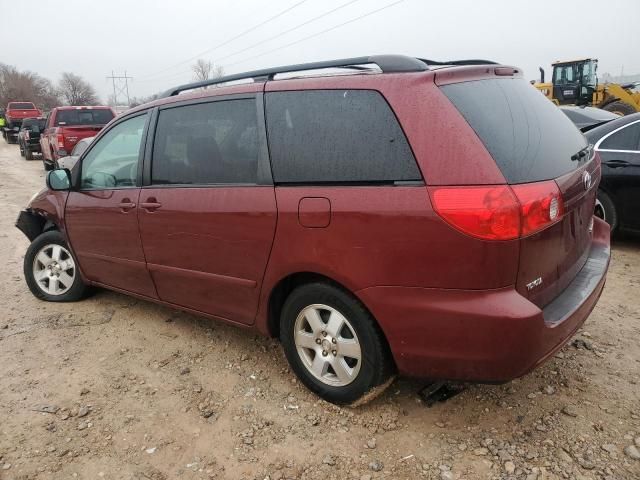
[54, 269]
[327, 345]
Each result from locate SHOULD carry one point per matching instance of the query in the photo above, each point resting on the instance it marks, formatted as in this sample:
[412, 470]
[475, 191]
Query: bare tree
[76, 91]
[205, 69]
[28, 86]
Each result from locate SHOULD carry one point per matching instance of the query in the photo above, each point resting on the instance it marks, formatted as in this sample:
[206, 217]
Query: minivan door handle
[150, 205]
[125, 205]
[616, 163]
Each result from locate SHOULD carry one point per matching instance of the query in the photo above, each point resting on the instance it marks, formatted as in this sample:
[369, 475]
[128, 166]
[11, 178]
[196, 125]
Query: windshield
[589, 74]
[21, 106]
[85, 116]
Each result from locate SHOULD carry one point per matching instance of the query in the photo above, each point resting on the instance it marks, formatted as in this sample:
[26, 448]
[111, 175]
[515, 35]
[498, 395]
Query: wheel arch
[286, 285]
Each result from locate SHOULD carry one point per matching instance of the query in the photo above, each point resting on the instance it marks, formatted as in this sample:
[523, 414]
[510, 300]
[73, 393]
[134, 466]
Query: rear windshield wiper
[585, 152]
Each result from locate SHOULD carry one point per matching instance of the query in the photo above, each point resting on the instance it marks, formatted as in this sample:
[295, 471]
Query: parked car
[399, 220]
[586, 118]
[66, 126]
[618, 144]
[29, 136]
[14, 114]
[70, 161]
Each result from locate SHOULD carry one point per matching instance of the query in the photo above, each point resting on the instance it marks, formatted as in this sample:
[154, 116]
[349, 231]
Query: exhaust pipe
[541, 74]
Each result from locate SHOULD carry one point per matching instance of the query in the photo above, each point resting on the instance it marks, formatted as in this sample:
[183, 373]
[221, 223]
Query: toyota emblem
[586, 180]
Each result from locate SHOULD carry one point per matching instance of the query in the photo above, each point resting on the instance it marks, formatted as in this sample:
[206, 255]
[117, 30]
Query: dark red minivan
[377, 214]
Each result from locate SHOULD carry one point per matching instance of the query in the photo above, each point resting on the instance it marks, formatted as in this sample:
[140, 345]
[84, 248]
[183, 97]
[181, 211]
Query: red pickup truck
[66, 126]
[14, 114]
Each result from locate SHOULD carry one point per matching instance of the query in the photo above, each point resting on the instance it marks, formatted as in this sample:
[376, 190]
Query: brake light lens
[26, 134]
[60, 138]
[499, 212]
[490, 213]
[540, 205]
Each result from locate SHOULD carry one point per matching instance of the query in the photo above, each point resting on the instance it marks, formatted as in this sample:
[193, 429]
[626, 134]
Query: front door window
[113, 161]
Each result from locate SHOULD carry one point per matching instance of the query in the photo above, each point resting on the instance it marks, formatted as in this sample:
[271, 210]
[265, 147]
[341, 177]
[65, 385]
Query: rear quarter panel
[382, 236]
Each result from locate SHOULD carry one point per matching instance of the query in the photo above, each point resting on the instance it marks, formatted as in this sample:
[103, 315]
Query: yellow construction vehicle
[576, 83]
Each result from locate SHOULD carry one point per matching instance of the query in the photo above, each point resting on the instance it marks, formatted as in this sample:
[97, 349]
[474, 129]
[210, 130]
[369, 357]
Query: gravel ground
[113, 387]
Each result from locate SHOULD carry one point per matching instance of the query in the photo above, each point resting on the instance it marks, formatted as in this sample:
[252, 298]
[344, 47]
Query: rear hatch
[549, 167]
[81, 122]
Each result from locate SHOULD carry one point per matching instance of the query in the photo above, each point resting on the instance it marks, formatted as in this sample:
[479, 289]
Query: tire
[45, 272]
[619, 107]
[352, 378]
[606, 210]
[28, 154]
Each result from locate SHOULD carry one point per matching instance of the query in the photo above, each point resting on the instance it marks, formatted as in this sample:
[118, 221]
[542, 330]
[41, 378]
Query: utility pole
[120, 86]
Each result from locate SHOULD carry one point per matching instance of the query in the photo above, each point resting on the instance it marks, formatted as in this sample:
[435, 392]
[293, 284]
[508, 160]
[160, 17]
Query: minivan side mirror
[59, 179]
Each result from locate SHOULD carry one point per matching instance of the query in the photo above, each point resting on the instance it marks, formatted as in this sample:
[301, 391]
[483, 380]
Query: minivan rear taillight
[499, 212]
[540, 205]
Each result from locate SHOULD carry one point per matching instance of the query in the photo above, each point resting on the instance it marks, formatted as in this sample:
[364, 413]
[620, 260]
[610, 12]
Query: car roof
[599, 132]
[253, 81]
[588, 113]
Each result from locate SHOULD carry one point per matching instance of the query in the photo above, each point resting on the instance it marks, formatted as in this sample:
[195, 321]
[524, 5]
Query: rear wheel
[606, 210]
[333, 344]
[619, 107]
[28, 154]
[51, 271]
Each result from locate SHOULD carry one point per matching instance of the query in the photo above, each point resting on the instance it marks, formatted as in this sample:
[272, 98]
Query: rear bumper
[484, 335]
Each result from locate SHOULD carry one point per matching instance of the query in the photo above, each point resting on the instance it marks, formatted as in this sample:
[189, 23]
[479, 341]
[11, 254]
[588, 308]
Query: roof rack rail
[472, 61]
[386, 63]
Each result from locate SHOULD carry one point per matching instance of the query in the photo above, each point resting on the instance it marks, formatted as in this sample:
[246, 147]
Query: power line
[184, 72]
[288, 31]
[296, 27]
[318, 33]
[226, 42]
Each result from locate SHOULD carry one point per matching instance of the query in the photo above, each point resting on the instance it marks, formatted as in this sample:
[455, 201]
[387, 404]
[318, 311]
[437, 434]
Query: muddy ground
[117, 388]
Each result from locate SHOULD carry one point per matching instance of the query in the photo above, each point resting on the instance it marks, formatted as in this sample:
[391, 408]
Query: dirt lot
[132, 390]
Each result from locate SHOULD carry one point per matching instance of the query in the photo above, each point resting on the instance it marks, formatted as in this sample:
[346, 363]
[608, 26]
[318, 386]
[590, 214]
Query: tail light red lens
[540, 205]
[490, 213]
[60, 138]
[26, 134]
[499, 212]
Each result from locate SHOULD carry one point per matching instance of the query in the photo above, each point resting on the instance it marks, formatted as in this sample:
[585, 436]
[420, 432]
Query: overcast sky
[155, 40]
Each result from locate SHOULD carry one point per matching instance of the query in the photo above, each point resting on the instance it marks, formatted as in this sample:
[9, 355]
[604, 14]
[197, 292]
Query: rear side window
[318, 136]
[84, 116]
[206, 143]
[626, 139]
[527, 135]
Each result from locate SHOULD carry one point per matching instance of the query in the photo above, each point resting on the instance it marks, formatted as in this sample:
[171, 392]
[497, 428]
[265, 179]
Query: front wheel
[51, 271]
[333, 344]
